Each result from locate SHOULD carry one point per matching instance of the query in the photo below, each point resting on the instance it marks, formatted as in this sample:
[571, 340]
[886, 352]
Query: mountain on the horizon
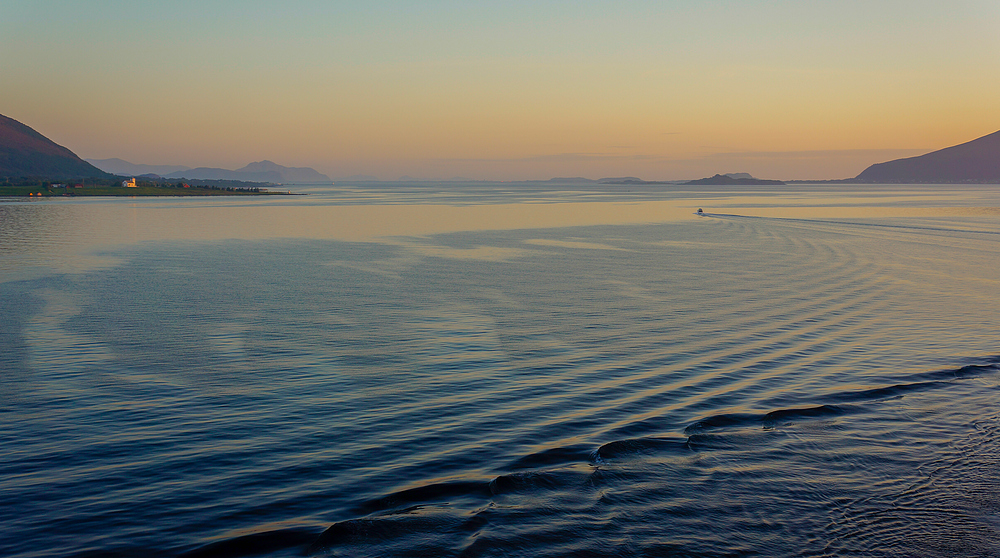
[733, 179]
[261, 171]
[974, 161]
[24, 153]
[122, 167]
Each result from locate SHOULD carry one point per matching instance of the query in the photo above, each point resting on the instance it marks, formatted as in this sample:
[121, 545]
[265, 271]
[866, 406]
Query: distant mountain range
[733, 179]
[976, 161]
[261, 171]
[24, 153]
[124, 168]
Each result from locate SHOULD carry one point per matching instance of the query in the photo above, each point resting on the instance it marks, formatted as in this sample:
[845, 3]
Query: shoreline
[142, 191]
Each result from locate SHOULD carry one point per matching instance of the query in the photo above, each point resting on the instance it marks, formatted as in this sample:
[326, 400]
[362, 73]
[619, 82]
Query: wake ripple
[426, 520]
[728, 387]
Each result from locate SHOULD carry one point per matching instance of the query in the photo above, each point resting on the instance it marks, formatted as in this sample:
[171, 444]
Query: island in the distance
[733, 179]
[32, 165]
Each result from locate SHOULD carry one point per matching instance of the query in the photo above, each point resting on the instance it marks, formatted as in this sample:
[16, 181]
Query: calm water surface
[503, 370]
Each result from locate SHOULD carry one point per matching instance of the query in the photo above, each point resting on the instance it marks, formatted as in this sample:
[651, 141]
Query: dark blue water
[731, 385]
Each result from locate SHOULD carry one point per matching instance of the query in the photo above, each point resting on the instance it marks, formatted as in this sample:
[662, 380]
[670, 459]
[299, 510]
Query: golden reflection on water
[67, 235]
[60, 234]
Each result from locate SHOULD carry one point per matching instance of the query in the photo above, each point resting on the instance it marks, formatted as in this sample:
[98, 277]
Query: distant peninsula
[32, 165]
[976, 161]
[34, 188]
[733, 179]
[260, 171]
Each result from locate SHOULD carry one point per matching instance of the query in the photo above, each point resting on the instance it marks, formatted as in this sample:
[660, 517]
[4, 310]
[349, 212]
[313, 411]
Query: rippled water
[502, 370]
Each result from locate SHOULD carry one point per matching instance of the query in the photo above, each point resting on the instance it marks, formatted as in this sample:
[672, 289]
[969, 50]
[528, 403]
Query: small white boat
[699, 212]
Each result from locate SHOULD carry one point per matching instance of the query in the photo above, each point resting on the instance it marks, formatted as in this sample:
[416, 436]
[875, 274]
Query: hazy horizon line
[885, 155]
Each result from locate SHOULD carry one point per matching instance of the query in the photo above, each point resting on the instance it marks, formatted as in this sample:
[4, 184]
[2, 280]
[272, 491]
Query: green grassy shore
[102, 187]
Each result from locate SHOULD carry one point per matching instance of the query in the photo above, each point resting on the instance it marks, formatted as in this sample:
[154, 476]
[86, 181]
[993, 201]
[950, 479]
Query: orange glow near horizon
[655, 90]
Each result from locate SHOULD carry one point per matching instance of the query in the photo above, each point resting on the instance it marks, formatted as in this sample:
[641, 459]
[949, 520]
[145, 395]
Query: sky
[661, 90]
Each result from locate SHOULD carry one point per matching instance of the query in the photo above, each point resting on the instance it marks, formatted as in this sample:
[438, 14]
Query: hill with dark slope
[24, 153]
[974, 161]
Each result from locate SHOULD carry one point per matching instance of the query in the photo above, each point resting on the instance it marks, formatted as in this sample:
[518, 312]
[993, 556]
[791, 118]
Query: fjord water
[503, 370]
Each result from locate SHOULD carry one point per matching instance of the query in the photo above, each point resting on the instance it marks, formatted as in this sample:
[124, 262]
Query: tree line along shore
[26, 187]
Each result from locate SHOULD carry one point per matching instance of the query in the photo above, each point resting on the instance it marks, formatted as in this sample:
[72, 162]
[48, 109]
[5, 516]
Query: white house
[130, 183]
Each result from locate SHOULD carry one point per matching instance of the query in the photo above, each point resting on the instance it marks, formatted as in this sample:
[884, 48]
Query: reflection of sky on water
[775, 354]
[39, 237]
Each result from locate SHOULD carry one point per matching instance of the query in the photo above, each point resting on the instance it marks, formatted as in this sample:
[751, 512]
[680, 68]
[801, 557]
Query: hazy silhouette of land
[122, 167]
[733, 179]
[261, 171]
[25, 153]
